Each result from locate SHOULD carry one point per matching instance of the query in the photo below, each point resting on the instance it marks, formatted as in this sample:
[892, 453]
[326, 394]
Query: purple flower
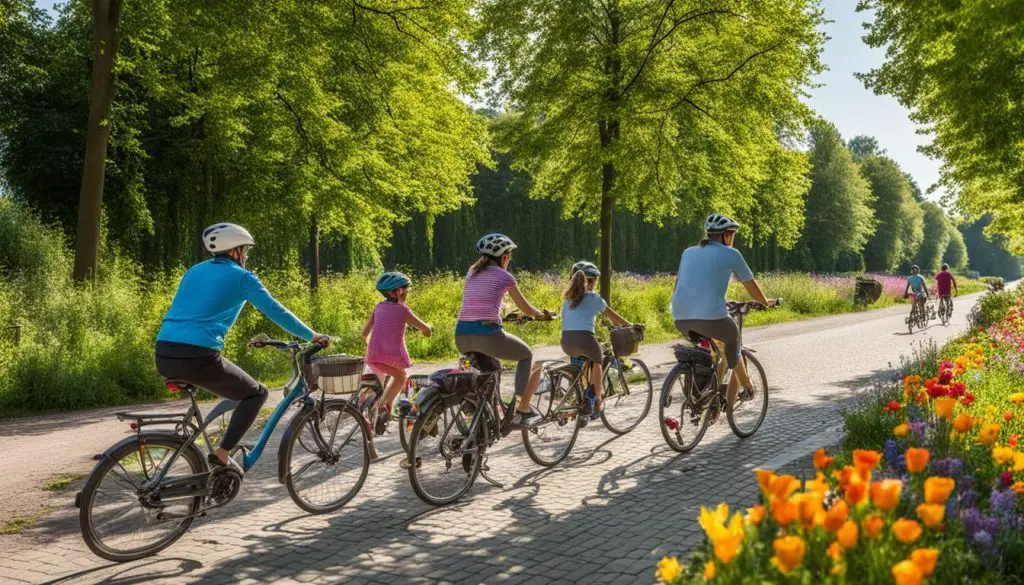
[918, 428]
[891, 453]
[947, 467]
[983, 540]
[976, 522]
[1004, 504]
[969, 499]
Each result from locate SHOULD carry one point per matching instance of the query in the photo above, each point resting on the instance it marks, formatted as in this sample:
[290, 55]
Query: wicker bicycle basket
[338, 374]
[626, 341]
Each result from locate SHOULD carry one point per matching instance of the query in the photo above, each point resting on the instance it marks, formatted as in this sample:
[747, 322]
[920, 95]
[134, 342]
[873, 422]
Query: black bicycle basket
[686, 354]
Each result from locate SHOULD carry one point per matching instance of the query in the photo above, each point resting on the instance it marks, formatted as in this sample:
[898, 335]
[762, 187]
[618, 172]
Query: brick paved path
[607, 514]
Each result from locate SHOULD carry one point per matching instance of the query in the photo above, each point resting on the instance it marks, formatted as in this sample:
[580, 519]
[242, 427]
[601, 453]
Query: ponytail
[481, 263]
[577, 289]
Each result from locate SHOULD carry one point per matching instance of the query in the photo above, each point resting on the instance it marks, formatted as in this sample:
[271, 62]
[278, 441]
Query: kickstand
[484, 468]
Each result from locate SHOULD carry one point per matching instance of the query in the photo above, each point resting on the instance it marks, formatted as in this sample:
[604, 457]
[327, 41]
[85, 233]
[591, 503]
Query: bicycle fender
[108, 454]
[291, 429]
[748, 349]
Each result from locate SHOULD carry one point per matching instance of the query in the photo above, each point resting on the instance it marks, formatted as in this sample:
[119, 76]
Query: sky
[845, 101]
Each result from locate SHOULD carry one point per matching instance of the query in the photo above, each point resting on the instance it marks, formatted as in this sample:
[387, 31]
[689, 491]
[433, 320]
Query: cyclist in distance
[479, 325]
[209, 298]
[699, 303]
[579, 311]
[943, 280]
[917, 284]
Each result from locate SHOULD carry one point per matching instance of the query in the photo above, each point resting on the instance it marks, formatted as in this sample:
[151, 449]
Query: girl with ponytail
[579, 311]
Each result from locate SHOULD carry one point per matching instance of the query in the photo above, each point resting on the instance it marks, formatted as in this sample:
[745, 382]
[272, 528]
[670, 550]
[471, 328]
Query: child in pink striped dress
[384, 334]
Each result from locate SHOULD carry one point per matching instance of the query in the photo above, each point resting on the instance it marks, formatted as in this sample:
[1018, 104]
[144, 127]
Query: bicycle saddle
[174, 384]
[484, 363]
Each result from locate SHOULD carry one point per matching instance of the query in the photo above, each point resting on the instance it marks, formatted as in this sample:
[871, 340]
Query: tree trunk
[314, 258]
[106, 15]
[609, 129]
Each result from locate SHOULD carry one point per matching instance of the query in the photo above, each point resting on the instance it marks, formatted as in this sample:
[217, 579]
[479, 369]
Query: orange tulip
[856, 492]
[709, 570]
[925, 559]
[906, 531]
[847, 535]
[765, 477]
[963, 423]
[821, 459]
[938, 489]
[917, 459]
[836, 516]
[835, 551]
[1007, 416]
[785, 512]
[907, 573]
[789, 552]
[885, 495]
[865, 461]
[756, 514]
[783, 486]
[873, 525]
[810, 508]
[817, 485]
[944, 407]
[931, 514]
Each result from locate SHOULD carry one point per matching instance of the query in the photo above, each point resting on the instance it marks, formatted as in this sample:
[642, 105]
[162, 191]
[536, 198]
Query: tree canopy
[898, 230]
[956, 66]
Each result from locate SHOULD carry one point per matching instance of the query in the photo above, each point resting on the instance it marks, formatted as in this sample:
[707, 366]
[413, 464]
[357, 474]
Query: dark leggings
[502, 346]
[208, 369]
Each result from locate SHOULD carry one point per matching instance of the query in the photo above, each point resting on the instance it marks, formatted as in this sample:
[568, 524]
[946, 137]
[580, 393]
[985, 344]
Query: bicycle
[460, 419]
[565, 409]
[145, 491]
[371, 388]
[945, 309]
[920, 312]
[694, 393]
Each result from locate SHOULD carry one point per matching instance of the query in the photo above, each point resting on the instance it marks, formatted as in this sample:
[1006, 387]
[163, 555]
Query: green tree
[988, 253]
[956, 66]
[666, 108]
[936, 237]
[863, 147]
[956, 250]
[839, 217]
[896, 213]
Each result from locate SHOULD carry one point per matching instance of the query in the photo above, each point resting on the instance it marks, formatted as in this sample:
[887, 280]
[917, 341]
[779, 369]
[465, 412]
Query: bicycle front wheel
[628, 392]
[751, 405]
[683, 421]
[324, 478]
[551, 440]
[445, 460]
[120, 521]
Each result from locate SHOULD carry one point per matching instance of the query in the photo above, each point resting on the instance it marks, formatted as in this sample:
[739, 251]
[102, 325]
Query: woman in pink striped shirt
[479, 327]
[384, 334]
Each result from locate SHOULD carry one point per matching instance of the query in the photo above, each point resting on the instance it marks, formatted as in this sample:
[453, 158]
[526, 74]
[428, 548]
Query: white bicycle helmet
[587, 268]
[496, 245]
[221, 237]
[717, 223]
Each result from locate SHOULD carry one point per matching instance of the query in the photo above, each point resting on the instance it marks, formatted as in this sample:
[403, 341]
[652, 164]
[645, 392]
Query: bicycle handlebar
[744, 307]
[520, 319]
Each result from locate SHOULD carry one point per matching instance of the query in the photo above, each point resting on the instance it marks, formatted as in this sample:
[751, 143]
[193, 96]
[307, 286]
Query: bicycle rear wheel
[551, 440]
[683, 422]
[749, 411]
[628, 393]
[327, 477]
[119, 521]
[445, 468]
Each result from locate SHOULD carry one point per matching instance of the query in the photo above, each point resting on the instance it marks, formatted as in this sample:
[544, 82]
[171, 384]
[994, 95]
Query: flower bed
[937, 500]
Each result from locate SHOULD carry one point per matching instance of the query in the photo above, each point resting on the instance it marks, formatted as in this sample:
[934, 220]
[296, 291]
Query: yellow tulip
[906, 531]
[725, 540]
[901, 430]
[783, 486]
[668, 569]
[931, 514]
[938, 489]
[925, 559]
[885, 495]
[847, 535]
[755, 514]
[1018, 462]
[1017, 398]
[907, 573]
[1002, 455]
[944, 407]
[709, 570]
[989, 434]
[789, 552]
[917, 459]
[817, 485]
